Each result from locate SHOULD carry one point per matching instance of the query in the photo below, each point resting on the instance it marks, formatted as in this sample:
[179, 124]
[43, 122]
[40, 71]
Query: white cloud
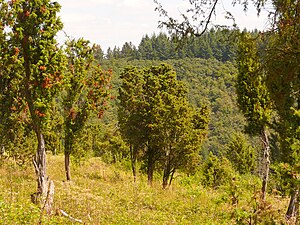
[109, 22]
[129, 3]
[113, 22]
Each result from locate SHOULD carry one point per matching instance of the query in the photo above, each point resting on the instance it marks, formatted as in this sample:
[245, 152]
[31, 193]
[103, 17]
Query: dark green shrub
[241, 154]
[217, 171]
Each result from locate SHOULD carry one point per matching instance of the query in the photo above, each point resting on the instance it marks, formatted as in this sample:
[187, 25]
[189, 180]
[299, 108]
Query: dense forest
[112, 131]
[218, 44]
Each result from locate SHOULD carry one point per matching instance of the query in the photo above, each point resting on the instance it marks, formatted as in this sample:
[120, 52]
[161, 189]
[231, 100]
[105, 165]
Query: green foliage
[218, 44]
[241, 154]
[210, 83]
[110, 146]
[20, 147]
[155, 117]
[54, 128]
[253, 96]
[131, 107]
[260, 212]
[217, 171]
[285, 178]
[87, 89]
[33, 51]
[86, 93]
[281, 60]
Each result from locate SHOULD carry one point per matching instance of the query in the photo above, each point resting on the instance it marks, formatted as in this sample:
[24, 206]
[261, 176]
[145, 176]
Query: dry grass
[106, 194]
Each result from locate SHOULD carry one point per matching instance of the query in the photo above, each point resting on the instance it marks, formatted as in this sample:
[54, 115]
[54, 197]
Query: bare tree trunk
[45, 193]
[150, 174]
[172, 175]
[40, 163]
[293, 205]
[297, 209]
[166, 170]
[133, 161]
[67, 153]
[266, 163]
[150, 167]
[165, 178]
[67, 165]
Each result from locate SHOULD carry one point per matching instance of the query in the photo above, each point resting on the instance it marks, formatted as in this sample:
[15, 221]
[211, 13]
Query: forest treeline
[216, 43]
[212, 106]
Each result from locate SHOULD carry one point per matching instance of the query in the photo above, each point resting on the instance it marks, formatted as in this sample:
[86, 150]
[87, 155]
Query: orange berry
[43, 68]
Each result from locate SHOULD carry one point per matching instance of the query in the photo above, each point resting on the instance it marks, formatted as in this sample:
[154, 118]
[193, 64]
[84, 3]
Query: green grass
[105, 194]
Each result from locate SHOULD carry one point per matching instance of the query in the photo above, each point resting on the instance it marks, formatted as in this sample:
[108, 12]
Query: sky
[111, 23]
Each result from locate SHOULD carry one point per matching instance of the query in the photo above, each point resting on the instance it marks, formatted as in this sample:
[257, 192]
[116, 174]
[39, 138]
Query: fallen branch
[63, 213]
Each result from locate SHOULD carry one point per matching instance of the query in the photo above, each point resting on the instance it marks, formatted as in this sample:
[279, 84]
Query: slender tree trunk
[45, 193]
[266, 163]
[40, 165]
[150, 173]
[297, 209]
[150, 166]
[166, 178]
[67, 152]
[172, 175]
[293, 205]
[167, 169]
[67, 165]
[133, 154]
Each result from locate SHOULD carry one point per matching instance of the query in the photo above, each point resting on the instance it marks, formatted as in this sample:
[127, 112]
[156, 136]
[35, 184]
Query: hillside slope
[105, 194]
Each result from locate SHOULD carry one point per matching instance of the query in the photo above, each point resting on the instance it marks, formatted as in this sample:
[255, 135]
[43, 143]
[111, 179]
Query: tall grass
[105, 194]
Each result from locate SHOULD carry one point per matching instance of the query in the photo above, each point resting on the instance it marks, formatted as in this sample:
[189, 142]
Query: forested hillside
[202, 131]
[210, 83]
[218, 44]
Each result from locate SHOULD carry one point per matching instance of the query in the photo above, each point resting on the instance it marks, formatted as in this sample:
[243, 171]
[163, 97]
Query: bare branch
[208, 19]
[68, 216]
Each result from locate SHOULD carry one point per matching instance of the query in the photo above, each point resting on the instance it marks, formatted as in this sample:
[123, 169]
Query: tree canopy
[155, 118]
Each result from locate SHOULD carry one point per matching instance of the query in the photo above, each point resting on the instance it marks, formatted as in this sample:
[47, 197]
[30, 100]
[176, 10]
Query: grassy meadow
[102, 193]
